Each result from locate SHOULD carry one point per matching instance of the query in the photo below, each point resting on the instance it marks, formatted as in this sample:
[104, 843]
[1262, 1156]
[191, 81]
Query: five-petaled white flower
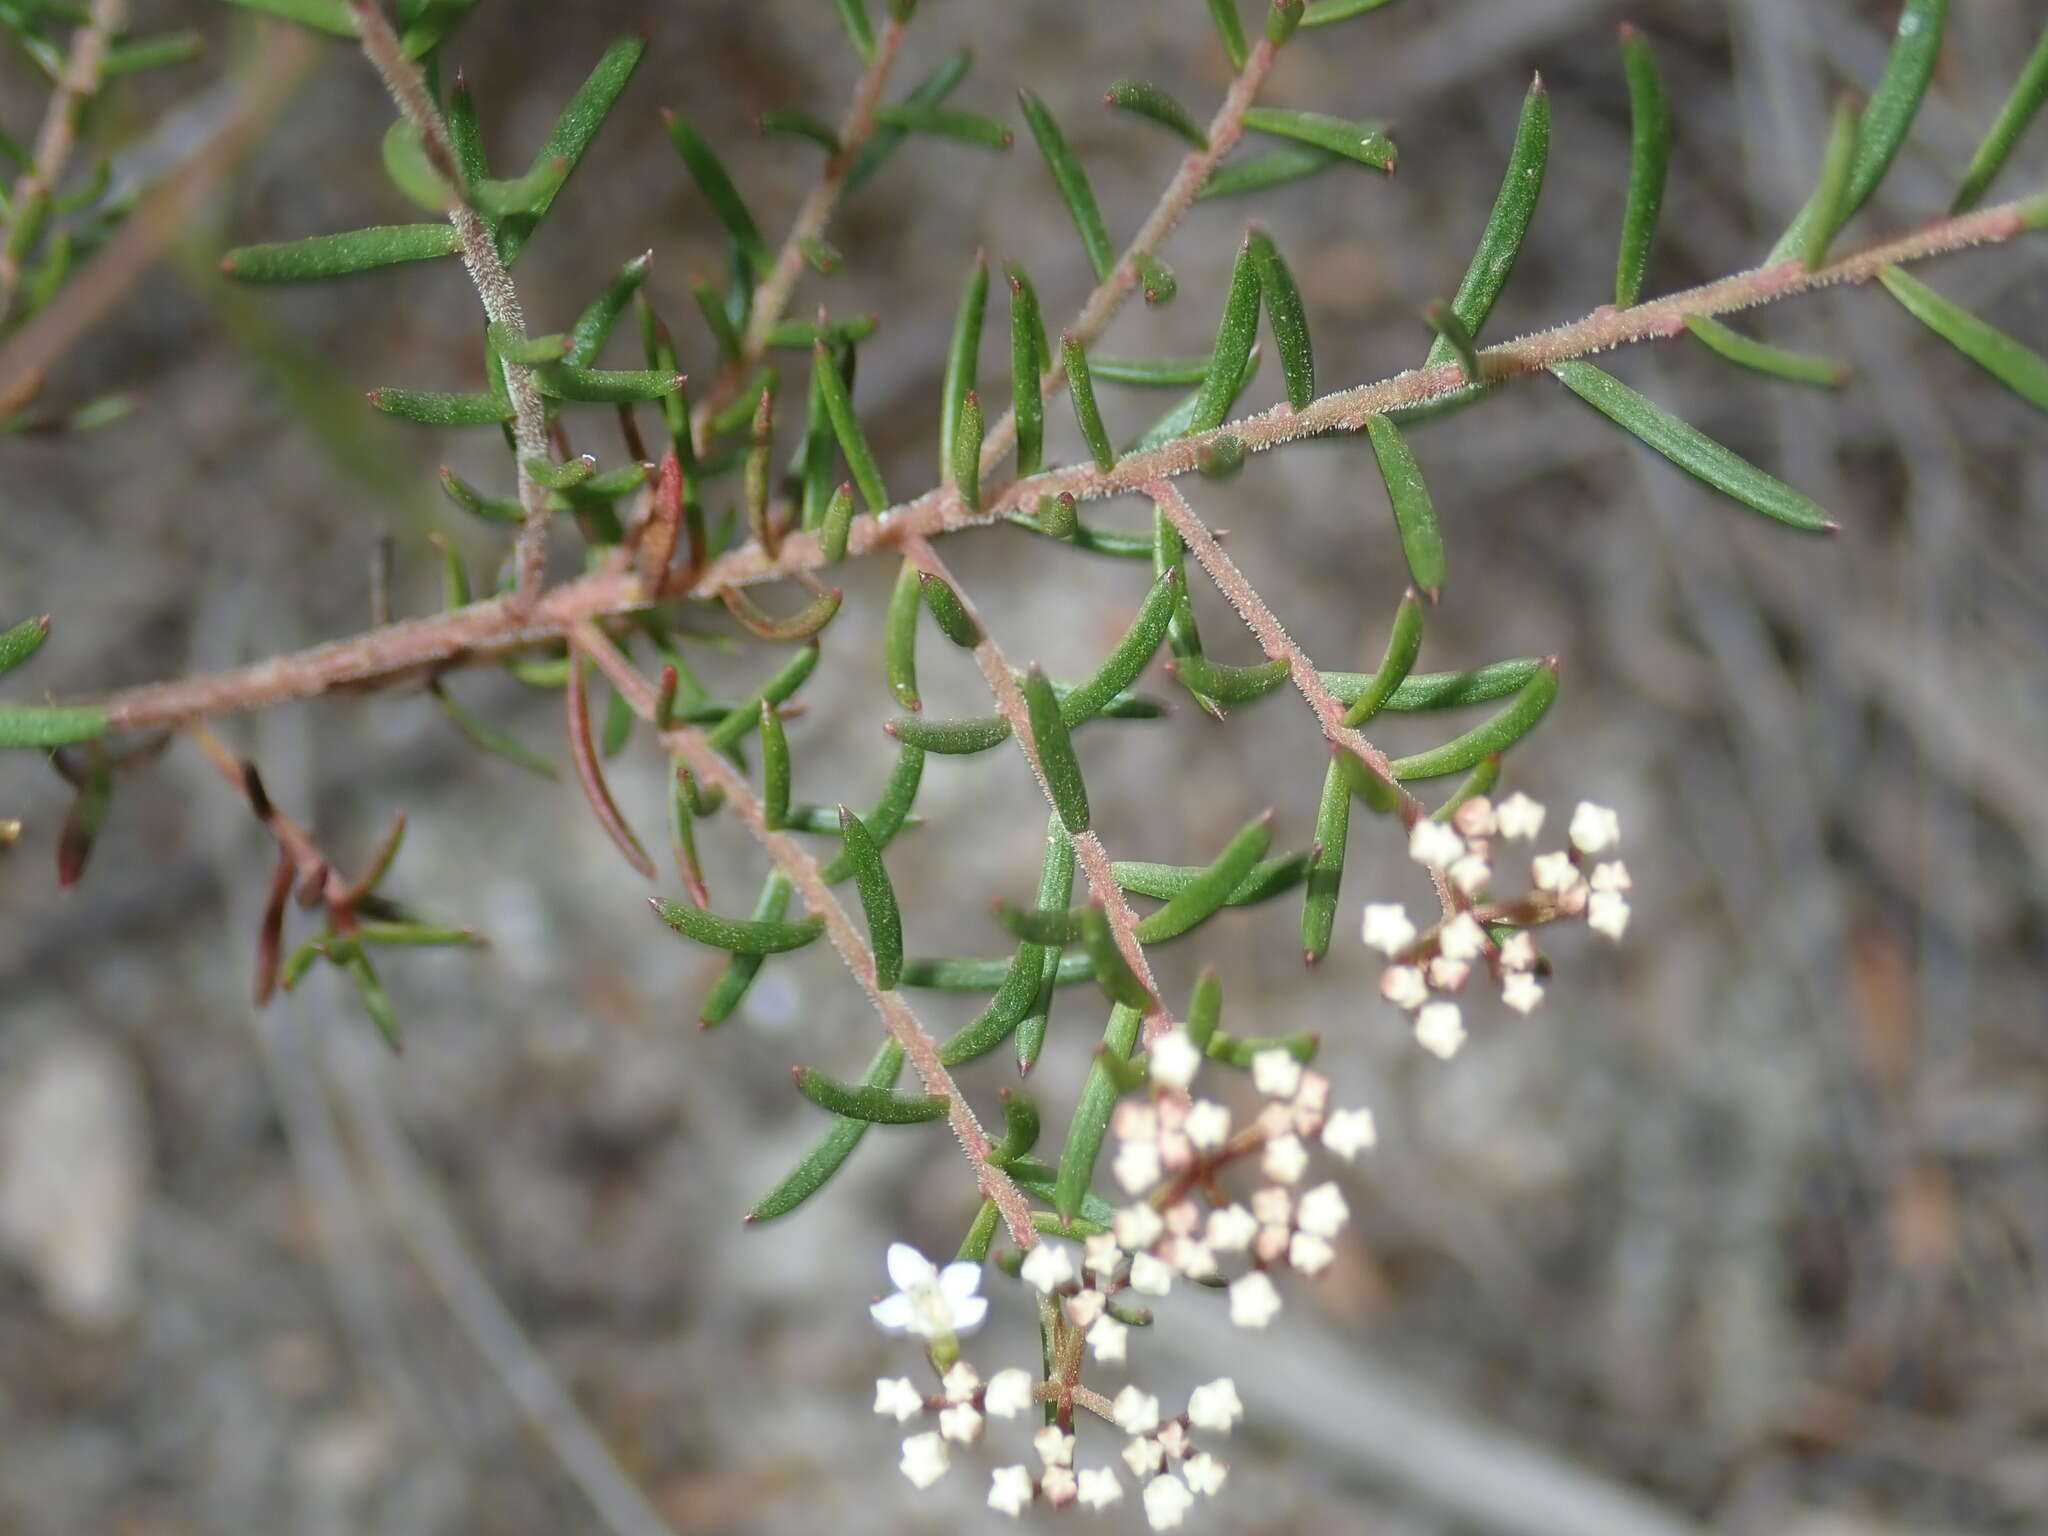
[1286, 1159]
[1594, 828]
[1607, 912]
[1215, 1406]
[1143, 1455]
[1518, 816]
[1137, 1227]
[1404, 986]
[1150, 1275]
[1253, 1301]
[1461, 938]
[1048, 1266]
[1322, 1211]
[1108, 1341]
[1309, 1253]
[1009, 1394]
[1054, 1448]
[1010, 1490]
[1166, 1502]
[1276, 1073]
[930, 1302]
[1554, 872]
[960, 1422]
[1349, 1132]
[1440, 1030]
[1231, 1229]
[925, 1459]
[1100, 1488]
[1521, 991]
[1387, 928]
[1207, 1125]
[897, 1398]
[1431, 842]
[1173, 1060]
[1136, 1411]
[1205, 1473]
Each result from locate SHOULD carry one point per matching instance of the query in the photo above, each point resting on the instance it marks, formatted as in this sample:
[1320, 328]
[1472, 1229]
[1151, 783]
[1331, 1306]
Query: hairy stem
[408, 88]
[79, 82]
[715, 773]
[489, 629]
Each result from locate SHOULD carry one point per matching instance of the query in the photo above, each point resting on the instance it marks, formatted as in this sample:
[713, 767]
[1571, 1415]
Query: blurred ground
[1743, 1231]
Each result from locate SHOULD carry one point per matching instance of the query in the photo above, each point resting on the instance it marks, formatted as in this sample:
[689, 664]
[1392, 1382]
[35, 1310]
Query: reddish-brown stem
[590, 772]
[491, 629]
[715, 774]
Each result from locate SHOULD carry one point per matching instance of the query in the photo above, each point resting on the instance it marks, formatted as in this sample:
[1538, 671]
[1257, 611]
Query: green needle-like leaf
[1326, 863]
[967, 127]
[487, 736]
[1027, 364]
[1762, 357]
[825, 1159]
[2018, 367]
[1887, 116]
[799, 125]
[22, 641]
[740, 970]
[1825, 212]
[1501, 241]
[877, 1106]
[999, 1020]
[1496, 734]
[376, 1001]
[1128, 657]
[962, 356]
[1367, 143]
[1227, 684]
[951, 738]
[951, 615]
[332, 17]
[929, 92]
[1321, 13]
[1081, 390]
[1229, 29]
[1056, 760]
[1150, 372]
[853, 15]
[837, 524]
[604, 386]
[744, 936]
[1091, 1114]
[572, 133]
[877, 898]
[594, 326]
[1274, 168]
[1113, 972]
[1231, 355]
[899, 635]
[441, 408]
[775, 768]
[967, 451]
[1422, 543]
[1423, 691]
[1148, 100]
[1020, 1127]
[1155, 278]
[713, 180]
[966, 973]
[1285, 314]
[1691, 449]
[1649, 157]
[50, 725]
[1055, 889]
[2028, 93]
[745, 716]
[1209, 891]
[1072, 182]
[853, 443]
[342, 255]
[1264, 880]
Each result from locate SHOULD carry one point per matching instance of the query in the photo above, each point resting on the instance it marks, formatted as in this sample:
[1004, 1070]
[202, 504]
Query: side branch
[491, 628]
[714, 771]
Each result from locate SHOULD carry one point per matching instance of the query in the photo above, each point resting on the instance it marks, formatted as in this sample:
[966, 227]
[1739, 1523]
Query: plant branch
[489, 629]
[408, 88]
[715, 773]
[1225, 129]
[78, 83]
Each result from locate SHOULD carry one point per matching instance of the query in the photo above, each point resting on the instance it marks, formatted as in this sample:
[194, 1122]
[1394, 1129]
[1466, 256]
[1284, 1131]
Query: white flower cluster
[1161, 1459]
[1430, 969]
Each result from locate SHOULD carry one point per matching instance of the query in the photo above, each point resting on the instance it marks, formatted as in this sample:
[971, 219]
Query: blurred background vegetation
[1743, 1231]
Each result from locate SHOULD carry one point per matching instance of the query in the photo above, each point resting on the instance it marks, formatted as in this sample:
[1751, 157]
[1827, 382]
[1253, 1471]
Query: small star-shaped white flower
[1136, 1411]
[1084, 1307]
[1471, 874]
[1518, 951]
[1054, 1448]
[1607, 912]
[1323, 1211]
[1109, 1341]
[1521, 991]
[960, 1383]
[1208, 1125]
[1285, 1161]
[1174, 1059]
[1611, 876]
[1009, 1394]
[1193, 1259]
[1150, 1275]
[1448, 975]
[1048, 1266]
[897, 1398]
[1253, 1301]
[1349, 1132]
[1205, 1473]
[1100, 1488]
[1273, 1206]
[1100, 1254]
[1386, 928]
[925, 1459]
[930, 1302]
[1404, 986]
[1058, 1486]
[1137, 1227]
[1231, 1229]
[1009, 1490]
[1137, 1166]
[1166, 1502]
[1434, 844]
[1215, 1406]
[1440, 1030]
[1309, 1253]
[1594, 828]
[1461, 938]
[1143, 1455]
[961, 1422]
[1276, 1073]
[1518, 816]
[1554, 872]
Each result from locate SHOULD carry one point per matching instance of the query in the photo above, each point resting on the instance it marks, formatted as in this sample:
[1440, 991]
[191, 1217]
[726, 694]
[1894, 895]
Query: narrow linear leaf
[967, 436]
[1179, 421]
[1055, 889]
[965, 127]
[1451, 333]
[1826, 212]
[899, 635]
[1761, 357]
[1266, 878]
[739, 973]
[826, 1158]
[853, 15]
[1422, 543]
[1231, 355]
[853, 443]
[441, 408]
[2018, 367]
[1649, 159]
[1072, 182]
[746, 936]
[889, 815]
[1501, 241]
[999, 1020]
[605, 386]
[963, 354]
[1039, 925]
[594, 326]
[801, 625]
[1367, 143]
[1229, 29]
[1155, 278]
[1691, 449]
[1092, 1112]
[800, 125]
[1127, 658]
[1020, 1127]
[1151, 101]
[775, 768]
[1228, 684]
[877, 1106]
[970, 973]
[1081, 390]
[715, 182]
[1404, 642]
[1321, 13]
[572, 133]
[1028, 360]
[950, 614]
[22, 641]
[951, 738]
[877, 898]
[1480, 781]
[837, 524]
[929, 92]
[340, 255]
[746, 715]
[1055, 752]
[50, 725]
[332, 17]
[1326, 863]
[1423, 691]
[1260, 172]
[2028, 93]
[1150, 372]
[1242, 1050]
[1289, 320]
[1494, 735]
[487, 736]
[1113, 972]
[94, 778]
[1209, 891]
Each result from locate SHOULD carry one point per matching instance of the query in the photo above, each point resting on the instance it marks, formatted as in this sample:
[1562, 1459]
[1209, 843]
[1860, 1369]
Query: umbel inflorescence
[1195, 1156]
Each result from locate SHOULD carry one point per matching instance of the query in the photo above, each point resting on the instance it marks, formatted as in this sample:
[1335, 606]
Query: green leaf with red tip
[1288, 319]
[1072, 182]
[1365, 142]
[1422, 542]
[1081, 390]
[563, 148]
[877, 1106]
[826, 1158]
[963, 355]
[1492, 736]
[22, 641]
[1150, 101]
[745, 936]
[441, 408]
[1273, 168]
[1326, 863]
[340, 255]
[877, 898]
[1501, 241]
[715, 182]
[1085, 1132]
[1057, 763]
[1230, 29]
[1208, 892]
[1649, 160]
[2014, 364]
